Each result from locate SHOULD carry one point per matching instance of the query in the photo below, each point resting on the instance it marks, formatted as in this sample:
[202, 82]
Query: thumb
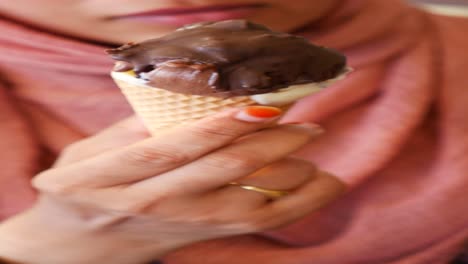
[120, 134]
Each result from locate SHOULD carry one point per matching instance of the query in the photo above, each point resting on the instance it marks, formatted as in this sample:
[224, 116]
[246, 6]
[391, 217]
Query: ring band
[273, 194]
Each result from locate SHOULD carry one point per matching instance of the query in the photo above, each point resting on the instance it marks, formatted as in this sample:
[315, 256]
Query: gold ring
[273, 194]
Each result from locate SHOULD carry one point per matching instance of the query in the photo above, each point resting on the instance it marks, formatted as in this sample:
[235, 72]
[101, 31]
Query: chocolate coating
[228, 58]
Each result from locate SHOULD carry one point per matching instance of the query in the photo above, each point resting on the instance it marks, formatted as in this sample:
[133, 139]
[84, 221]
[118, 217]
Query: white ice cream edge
[281, 97]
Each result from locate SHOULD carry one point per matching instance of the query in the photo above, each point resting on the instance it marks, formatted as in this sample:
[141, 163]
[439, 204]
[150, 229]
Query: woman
[395, 138]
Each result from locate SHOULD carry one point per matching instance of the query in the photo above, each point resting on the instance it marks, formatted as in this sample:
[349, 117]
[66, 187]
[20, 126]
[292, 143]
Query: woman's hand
[123, 197]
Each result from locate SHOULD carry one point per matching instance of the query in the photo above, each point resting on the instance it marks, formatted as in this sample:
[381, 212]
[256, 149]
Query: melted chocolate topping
[227, 58]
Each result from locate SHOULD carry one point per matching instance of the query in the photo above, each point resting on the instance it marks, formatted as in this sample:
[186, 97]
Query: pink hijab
[397, 134]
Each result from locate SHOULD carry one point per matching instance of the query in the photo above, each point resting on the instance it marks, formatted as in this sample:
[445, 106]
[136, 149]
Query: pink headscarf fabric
[397, 134]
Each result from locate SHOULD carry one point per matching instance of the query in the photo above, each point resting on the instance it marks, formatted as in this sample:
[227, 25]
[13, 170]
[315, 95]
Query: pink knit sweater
[397, 134]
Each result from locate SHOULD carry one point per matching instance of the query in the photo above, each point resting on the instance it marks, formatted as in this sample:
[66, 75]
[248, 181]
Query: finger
[123, 133]
[169, 150]
[228, 164]
[230, 201]
[287, 174]
[319, 192]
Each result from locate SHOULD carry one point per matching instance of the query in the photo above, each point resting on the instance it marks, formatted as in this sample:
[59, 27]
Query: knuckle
[297, 165]
[262, 223]
[253, 225]
[268, 222]
[216, 131]
[225, 224]
[232, 160]
[209, 219]
[130, 207]
[157, 155]
[250, 226]
[303, 164]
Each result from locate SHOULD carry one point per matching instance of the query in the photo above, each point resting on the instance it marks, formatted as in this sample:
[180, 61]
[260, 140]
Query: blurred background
[446, 7]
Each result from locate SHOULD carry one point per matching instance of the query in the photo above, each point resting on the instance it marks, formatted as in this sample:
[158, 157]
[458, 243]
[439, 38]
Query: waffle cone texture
[161, 109]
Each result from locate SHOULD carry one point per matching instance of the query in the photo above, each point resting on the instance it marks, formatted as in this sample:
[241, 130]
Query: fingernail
[312, 128]
[258, 113]
[340, 185]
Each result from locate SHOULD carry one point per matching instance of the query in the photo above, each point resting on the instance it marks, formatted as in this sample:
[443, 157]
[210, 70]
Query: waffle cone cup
[161, 109]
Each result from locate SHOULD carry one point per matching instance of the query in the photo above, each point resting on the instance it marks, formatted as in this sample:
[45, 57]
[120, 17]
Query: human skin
[95, 19]
[122, 191]
[90, 203]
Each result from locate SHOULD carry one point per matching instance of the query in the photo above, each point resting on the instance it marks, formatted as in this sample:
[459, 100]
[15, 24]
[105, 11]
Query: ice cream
[227, 60]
